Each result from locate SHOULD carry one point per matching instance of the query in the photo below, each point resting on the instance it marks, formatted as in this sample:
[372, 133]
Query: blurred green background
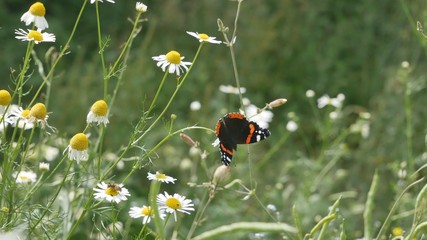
[283, 49]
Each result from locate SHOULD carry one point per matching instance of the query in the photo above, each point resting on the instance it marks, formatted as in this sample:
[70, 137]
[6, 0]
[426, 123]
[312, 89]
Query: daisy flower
[160, 177]
[173, 61]
[146, 212]
[44, 167]
[140, 7]
[111, 192]
[34, 35]
[202, 37]
[19, 117]
[36, 14]
[325, 100]
[173, 204]
[262, 118]
[93, 1]
[77, 149]
[25, 177]
[98, 113]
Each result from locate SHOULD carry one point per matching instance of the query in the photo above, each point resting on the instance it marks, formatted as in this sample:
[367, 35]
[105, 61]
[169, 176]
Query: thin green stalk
[396, 203]
[49, 205]
[61, 54]
[101, 50]
[297, 222]
[125, 54]
[171, 98]
[331, 213]
[154, 191]
[420, 206]
[199, 214]
[369, 208]
[408, 125]
[147, 155]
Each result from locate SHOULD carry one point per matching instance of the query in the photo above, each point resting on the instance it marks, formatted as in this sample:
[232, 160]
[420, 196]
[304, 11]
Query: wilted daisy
[5, 98]
[174, 204]
[25, 177]
[146, 212]
[77, 149]
[93, 1]
[34, 35]
[98, 113]
[263, 118]
[140, 7]
[231, 89]
[38, 114]
[36, 14]
[161, 177]
[202, 37]
[173, 61]
[111, 192]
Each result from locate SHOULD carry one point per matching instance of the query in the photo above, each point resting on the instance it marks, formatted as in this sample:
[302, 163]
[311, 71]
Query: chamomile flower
[5, 98]
[202, 37]
[36, 14]
[98, 113]
[77, 149]
[325, 100]
[44, 167]
[19, 117]
[38, 114]
[161, 177]
[146, 212]
[173, 61]
[175, 203]
[111, 192]
[140, 7]
[34, 35]
[263, 118]
[93, 1]
[25, 177]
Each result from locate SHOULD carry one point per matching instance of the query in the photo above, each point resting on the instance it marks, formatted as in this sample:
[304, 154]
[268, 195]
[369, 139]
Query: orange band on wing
[226, 150]
[251, 132]
[236, 115]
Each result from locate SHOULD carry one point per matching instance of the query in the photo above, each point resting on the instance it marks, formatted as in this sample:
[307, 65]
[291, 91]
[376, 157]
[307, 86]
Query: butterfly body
[233, 129]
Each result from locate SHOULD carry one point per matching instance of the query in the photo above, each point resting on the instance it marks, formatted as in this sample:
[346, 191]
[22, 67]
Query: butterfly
[233, 129]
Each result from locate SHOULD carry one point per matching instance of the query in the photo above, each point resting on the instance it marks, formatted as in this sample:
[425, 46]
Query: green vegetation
[347, 166]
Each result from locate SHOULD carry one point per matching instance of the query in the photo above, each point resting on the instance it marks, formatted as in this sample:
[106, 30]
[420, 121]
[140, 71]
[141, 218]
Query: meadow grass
[107, 133]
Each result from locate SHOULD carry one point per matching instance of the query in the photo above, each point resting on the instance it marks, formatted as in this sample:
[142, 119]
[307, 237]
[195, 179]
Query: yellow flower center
[173, 57]
[38, 9]
[5, 98]
[100, 108]
[23, 178]
[160, 176]
[25, 113]
[203, 36]
[35, 35]
[79, 142]
[397, 231]
[146, 211]
[112, 190]
[173, 203]
[38, 111]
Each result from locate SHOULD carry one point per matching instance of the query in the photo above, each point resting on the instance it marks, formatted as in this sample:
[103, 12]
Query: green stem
[172, 97]
[61, 54]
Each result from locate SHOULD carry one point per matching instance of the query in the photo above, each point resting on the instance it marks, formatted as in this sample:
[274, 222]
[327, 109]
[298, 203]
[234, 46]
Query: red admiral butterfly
[233, 129]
